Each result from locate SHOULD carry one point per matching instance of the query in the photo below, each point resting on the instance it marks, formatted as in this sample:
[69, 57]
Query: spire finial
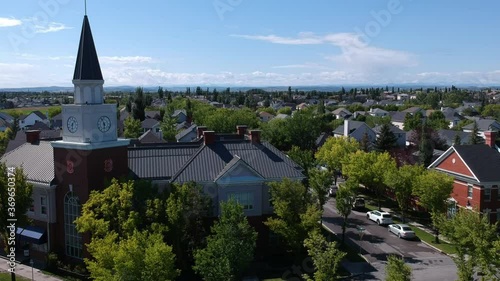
[85, 7]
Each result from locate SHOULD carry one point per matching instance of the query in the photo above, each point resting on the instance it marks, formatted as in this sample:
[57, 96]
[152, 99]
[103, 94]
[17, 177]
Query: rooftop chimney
[32, 136]
[200, 131]
[255, 136]
[346, 127]
[490, 138]
[241, 130]
[209, 137]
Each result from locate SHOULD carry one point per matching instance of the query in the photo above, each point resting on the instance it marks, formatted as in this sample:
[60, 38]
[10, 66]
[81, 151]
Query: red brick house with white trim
[476, 170]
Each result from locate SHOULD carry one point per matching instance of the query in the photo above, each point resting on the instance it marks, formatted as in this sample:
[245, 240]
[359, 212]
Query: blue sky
[254, 42]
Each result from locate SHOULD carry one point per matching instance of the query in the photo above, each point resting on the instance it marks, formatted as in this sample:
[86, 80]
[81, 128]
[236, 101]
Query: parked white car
[379, 217]
[402, 231]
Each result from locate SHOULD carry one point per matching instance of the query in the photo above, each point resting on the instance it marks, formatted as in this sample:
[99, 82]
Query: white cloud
[304, 65]
[354, 55]
[9, 22]
[50, 27]
[126, 59]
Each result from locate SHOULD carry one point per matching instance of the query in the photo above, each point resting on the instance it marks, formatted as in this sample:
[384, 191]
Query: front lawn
[6, 277]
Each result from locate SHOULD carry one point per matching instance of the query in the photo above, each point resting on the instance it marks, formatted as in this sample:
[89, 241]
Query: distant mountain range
[57, 89]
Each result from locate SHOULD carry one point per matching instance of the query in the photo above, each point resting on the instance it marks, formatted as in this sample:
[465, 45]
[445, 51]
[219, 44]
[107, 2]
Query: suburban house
[377, 112]
[475, 169]
[180, 115]
[483, 125]
[153, 125]
[150, 137]
[356, 130]
[341, 113]
[450, 136]
[30, 119]
[282, 116]
[56, 122]
[398, 133]
[452, 116]
[6, 121]
[187, 135]
[398, 119]
[238, 165]
[265, 116]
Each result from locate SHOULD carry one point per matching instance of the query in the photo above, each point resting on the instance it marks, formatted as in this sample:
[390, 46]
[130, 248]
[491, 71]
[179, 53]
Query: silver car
[402, 231]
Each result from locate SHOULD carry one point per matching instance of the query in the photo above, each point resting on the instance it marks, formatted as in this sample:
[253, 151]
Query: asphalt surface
[377, 243]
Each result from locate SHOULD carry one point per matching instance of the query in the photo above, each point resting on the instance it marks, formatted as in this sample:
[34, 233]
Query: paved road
[377, 243]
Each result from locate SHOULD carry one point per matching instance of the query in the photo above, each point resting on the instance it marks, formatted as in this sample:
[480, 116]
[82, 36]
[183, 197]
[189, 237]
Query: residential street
[377, 243]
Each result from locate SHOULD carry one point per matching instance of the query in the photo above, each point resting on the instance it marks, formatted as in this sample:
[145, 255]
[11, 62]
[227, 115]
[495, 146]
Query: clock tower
[89, 154]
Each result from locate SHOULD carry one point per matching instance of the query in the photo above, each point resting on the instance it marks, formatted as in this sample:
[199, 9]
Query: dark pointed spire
[87, 63]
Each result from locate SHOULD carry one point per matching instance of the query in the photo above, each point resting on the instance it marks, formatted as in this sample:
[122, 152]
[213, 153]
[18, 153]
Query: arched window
[73, 239]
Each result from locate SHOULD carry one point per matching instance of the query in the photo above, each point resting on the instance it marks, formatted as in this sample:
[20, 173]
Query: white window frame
[470, 191]
[245, 198]
[73, 239]
[43, 205]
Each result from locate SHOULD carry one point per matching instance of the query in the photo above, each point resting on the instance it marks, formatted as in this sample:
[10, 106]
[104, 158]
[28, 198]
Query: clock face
[72, 124]
[103, 124]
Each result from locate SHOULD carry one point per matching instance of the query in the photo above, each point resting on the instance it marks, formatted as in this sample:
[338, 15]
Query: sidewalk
[25, 271]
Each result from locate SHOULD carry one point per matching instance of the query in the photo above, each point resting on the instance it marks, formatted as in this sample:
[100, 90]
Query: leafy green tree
[397, 270]
[53, 111]
[386, 139]
[335, 151]
[142, 256]
[474, 238]
[225, 120]
[15, 198]
[369, 169]
[304, 158]
[343, 201]
[230, 247]
[326, 257]
[285, 110]
[438, 121]
[139, 105]
[474, 137]
[433, 189]
[122, 208]
[295, 214]
[412, 121]
[401, 183]
[319, 182]
[167, 127]
[457, 140]
[132, 128]
[187, 206]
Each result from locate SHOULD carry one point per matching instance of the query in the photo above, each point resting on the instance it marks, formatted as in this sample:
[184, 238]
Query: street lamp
[361, 231]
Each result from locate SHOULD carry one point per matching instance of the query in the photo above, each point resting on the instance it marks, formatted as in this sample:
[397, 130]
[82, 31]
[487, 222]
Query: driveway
[377, 243]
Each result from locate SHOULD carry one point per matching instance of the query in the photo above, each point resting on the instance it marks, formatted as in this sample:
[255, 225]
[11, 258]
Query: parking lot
[377, 243]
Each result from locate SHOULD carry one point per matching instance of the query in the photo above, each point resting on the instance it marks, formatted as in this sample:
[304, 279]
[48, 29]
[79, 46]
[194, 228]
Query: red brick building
[476, 170]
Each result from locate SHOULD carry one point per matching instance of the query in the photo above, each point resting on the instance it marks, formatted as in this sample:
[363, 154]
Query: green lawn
[6, 277]
[27, 110]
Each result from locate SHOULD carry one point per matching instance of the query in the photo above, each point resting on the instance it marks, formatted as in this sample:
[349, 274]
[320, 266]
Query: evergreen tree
[457, 140]
[386, 139]
[475, 138]
[365, 142]
[139, 105]
[425, 148]
[160, 92]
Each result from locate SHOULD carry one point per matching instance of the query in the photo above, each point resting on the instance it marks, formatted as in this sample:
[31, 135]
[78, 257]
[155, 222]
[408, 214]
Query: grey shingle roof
[20, 138]
[179, 111]
[183, 133]
[483, 160]
[393, 128]
[150, 137]
[37, 160]
[149, 123]
[484, 125]
[39, 126]
[449, 136]
[397, 116]
[211, 160]
[353, 125]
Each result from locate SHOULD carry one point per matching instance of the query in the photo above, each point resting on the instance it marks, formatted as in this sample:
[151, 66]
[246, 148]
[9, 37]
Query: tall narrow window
[43, 205]
[469, 190]
[487, 194]
[73, 239]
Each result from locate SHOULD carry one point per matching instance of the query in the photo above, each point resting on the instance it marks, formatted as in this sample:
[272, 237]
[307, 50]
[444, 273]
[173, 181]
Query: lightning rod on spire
[85, 7]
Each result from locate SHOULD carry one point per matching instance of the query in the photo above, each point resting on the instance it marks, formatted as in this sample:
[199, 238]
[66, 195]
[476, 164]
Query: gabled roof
[149, 123]
[282, 116]
[353, 126]
[341, 110]
[39, 126]
[185, 132]
[412, 110]
[87, 63]
[152, 114]
[264, 113]
[41, 170]
[179, 111]
[397, 116]
[211, 160]
[393, 129]
[6, 117]
[234, 163]
[482, 160]
[20, 138]
[322, 139]
[449, 136]
[484, 125]
[150, 137]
